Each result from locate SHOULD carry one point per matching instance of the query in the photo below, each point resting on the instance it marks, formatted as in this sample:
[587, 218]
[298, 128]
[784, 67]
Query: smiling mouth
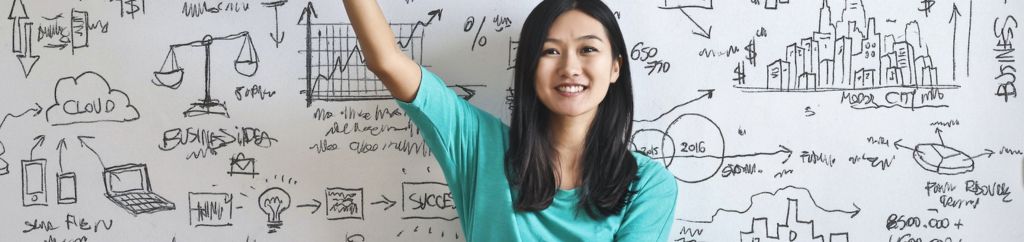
[570, 89]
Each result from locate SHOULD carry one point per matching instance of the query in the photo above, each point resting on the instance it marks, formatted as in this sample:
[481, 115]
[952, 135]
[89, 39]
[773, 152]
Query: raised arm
[400, 74]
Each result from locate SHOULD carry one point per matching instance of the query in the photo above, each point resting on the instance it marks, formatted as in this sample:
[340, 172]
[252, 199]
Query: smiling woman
[562, 170]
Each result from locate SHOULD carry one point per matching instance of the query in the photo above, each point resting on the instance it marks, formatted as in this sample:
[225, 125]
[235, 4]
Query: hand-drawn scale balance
[171, 76]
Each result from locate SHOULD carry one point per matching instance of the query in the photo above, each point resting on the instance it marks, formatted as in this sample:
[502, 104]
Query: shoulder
[653, 176]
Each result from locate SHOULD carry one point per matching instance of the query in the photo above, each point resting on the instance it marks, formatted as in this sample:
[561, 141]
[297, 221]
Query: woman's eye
[589, 49]
[550, 52]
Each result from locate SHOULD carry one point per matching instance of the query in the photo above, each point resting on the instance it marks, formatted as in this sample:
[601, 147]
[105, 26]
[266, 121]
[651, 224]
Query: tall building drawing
[792, 230]
[848, 53]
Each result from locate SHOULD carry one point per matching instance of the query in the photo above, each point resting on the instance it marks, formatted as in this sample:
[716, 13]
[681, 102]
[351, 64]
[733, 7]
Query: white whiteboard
[783, 120]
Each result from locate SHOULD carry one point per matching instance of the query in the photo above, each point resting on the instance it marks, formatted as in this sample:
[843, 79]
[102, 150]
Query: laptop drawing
[128, 187]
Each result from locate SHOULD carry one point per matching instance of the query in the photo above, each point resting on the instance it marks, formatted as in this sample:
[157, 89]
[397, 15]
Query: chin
[572, 111]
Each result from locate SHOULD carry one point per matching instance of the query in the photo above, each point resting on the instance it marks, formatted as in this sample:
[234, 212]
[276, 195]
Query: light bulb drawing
[171, 73]
[273, 202]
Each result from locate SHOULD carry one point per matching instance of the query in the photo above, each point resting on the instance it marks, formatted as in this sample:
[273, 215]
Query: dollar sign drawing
[751, 49]
[741, 75]
[927, 7]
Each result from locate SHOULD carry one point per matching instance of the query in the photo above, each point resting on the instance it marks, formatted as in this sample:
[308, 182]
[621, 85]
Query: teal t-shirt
[470, 145]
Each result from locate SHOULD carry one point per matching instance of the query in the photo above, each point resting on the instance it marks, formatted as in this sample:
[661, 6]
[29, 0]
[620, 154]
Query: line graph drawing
[336, 70]
[335, 67]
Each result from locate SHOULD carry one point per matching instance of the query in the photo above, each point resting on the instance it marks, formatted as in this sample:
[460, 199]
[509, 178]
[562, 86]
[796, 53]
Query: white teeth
[571, 88]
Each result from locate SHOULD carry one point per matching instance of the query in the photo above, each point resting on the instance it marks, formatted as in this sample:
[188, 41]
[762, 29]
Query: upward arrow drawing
[433, 14]
[277, 36]
[953, 17]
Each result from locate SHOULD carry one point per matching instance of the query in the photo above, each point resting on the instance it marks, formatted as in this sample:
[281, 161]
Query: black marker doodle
[691, 145]
[796, 227]
[643, 53]
[315, 205]
[246, 64]
[1004, 56]
[427, 201]
[209, 209]
[73, 32]
[131, 7]
[829, 60]
[926, 6]
[67, 183]
[33, 177]
[941, 158]
[273, 202]
[35, 112]
[277, 36]
[21, 37]
[954, 19]
[513, 47]
[88, 98]
[344, 203]
[385, 201]
[477, 39]
[682, 5]
[241, 165]
[771, 4]
[765, 206]
[344, 76]
[200, 8]
[129, 188]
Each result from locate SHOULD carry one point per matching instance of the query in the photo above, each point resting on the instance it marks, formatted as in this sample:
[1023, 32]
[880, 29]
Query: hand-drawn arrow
[316, 206]
[987, 154]
[706, 33]
[386, 201]
[708, 93]
[61, 147]
[939, 132]
[81, 139]
[3, 163]
[433, 14]
[782, 149]
[28, 61]
[39, 142]
[897, 146]
[38, 109]
[277, 36]
[468, 92]
[953, 17]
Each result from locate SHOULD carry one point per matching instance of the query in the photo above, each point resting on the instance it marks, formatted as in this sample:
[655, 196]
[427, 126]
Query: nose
[571, 66]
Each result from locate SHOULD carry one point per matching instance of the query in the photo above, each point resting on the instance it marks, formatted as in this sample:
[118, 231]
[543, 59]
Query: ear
[616, 65]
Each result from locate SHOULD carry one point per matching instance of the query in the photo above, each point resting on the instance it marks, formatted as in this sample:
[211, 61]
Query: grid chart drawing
[336, 69]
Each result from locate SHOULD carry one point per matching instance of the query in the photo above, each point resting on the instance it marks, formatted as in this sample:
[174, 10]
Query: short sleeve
[650, 213]
[450, 126]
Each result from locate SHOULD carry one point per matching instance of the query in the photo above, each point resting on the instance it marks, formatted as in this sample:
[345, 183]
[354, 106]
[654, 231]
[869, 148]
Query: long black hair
[608, 167]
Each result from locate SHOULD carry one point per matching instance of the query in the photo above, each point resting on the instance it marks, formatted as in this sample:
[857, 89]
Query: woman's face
[576, 65]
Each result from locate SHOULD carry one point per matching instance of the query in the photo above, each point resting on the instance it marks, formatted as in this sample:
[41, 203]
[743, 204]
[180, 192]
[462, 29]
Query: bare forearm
[398, 72]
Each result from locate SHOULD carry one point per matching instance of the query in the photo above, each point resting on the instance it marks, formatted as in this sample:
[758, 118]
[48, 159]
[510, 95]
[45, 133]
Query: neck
[568, 136]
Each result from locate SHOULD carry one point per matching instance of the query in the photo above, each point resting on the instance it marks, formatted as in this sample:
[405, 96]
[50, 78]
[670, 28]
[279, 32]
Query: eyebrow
[585, 37]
